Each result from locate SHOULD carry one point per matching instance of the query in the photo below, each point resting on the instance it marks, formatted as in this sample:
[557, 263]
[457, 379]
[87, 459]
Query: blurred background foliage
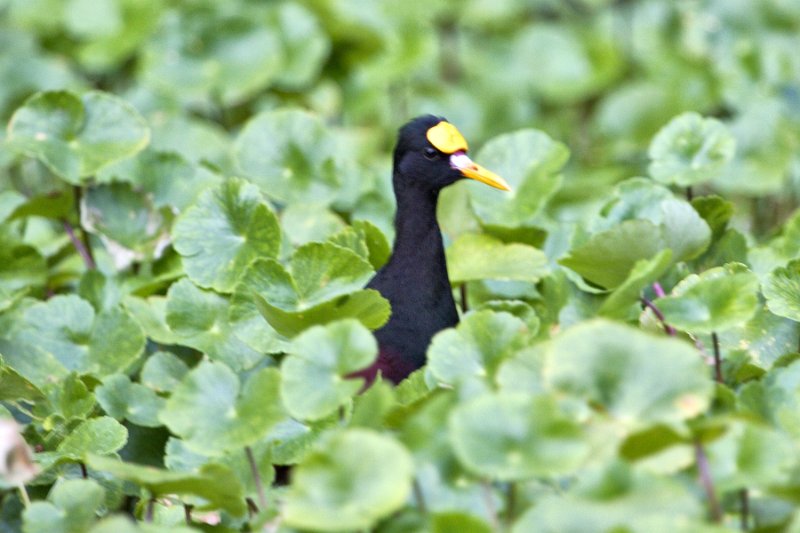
[600, 76]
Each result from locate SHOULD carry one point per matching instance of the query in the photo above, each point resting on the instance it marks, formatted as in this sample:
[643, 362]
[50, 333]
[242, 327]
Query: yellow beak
[472, 170]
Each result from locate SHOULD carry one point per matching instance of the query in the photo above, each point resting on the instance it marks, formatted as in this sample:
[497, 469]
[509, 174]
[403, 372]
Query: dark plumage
[414, 280]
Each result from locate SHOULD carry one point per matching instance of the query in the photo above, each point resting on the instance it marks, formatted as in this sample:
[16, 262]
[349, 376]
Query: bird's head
[431, 154]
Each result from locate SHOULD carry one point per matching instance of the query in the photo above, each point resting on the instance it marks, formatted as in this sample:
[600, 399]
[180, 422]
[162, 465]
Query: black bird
[430, 155]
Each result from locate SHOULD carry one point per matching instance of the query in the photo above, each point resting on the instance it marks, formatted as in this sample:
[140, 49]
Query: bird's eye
[431, 153]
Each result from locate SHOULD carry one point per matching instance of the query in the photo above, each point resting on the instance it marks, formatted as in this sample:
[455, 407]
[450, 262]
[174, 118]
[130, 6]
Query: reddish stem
[704, 470]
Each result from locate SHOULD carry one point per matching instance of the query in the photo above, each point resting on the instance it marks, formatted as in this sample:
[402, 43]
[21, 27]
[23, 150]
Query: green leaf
[71, 508]
[13, 386]
[54, 205]
[74, 338]
[644, 272]
[366, 240]
[608, 257]
[199, 318]
[716, 300]
[227, 228]
[289, 154]
[213, 482]
[716, 211]
[322, 287]
[324, 271]
[750, 456]
[10, 202]
[475, 257]
[167, 178]
[516, 436]
[619, 499]
[304, 223]
[213, 415]
[367, 306]
[124, 400]
[73, 398]
[782, 291]
[315, 373]
[102, 435]
[162, 371]
[445, 522]
[690, 150]
[125, 217]
[347, 483]
[781, 399]
[77, 136]
[21, 266]
[476, 347]
[305, 46]
[123, 524]
[101, 291]
[682, 230]
[529, 161]
[637, 378]
[202, 55]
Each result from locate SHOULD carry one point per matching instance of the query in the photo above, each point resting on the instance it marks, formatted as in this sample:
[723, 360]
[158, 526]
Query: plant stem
[689, 194]
[717, 358]
[511, 503]
[704, 472]
[659, 290]
[82, 246]
[463, 292]
[187, 513]
[77, 193]
[252, 508]
[744, 513]
[148, 514]
[84, 473]
[23, 495]
[262, 498]
[669, 330]
[419, 496]
[489, 501]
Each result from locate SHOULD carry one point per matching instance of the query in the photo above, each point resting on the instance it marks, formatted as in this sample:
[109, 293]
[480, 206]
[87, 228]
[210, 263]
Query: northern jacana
[430, 154]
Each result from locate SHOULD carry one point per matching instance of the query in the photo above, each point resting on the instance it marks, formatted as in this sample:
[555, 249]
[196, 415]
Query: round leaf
[66, 328]
[71, 507]
[716, 300]
[608, 257]
[210, 412]
[225, 230]
[77, 136]
[750, 456]
[620, 499]
[289, 154]
[322, 287]
[353, 479]
[516, 436]
[690, 150]
[162, 371]
[476, 257]
[122, 399]
[199, 319]
[637, 377]
[782, 291]
[314, 380]
[102, 435]
[476, 347]
[529, 161]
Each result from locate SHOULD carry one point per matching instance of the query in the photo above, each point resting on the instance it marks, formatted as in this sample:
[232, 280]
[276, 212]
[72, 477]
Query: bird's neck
[417, 233]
